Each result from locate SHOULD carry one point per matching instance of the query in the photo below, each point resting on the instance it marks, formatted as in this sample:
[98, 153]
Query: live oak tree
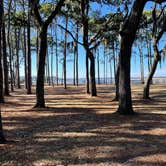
[128, 28]
[43, 26]
[157, 33]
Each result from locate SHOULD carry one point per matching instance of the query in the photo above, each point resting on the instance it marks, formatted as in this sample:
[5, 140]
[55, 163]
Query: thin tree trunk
[5, 65]
[1, 70]
[92, 74]
[141, 64]
[9, 47]
[65, 54]
[17, 35]
[87, 74]
[29, 77]
[98, 66]
[57, 63]
[77, 57]
[117, 84]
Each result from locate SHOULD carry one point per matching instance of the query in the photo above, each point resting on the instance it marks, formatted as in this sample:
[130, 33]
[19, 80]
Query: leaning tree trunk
[149, 80]
[92, 74]
[40, 101]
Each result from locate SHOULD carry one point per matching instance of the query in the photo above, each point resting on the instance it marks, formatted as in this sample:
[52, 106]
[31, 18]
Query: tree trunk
[2, 138]
[29, 77]
[40, 101]
[5, 65]
[117, 84]
[1, 70]
[77, 56]
[87, 74]
[141, 64]
[92, 74]
[125, 102]
[98, 66]
[65, 54]
[57, 65]
[128, 33]
[17, 36]
[74, 63]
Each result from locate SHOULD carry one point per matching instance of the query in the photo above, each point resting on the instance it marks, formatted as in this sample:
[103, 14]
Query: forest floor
[77, 129]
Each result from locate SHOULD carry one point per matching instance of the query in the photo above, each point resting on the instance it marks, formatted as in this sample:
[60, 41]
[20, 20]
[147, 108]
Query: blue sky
[135, 61]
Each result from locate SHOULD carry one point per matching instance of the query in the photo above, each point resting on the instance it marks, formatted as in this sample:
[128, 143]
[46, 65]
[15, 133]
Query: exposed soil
[77, 129]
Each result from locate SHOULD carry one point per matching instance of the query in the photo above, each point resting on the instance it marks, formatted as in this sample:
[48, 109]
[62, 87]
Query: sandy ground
[78, 129]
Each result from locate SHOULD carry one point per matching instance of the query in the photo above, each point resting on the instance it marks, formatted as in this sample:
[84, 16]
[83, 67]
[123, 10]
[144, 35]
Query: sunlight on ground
[79, 130]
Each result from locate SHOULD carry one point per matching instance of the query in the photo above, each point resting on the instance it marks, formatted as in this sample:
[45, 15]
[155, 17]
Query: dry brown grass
[79, 130]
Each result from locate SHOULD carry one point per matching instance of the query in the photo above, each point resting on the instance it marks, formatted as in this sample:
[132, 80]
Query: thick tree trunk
[5, 65]
[127, 33]
[40, 101]
[125, 102]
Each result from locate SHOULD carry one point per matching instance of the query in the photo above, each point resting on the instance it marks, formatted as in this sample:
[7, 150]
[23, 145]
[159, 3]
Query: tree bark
[29, 77]
[127, 33]
[87, 74]
[65, 54]
[2, 138]
[40, 101]
[116, 83]
[92, 74]
[5, 65]
[17, 36]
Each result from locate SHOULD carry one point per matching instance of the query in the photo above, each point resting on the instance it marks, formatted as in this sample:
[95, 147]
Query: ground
[77, 129]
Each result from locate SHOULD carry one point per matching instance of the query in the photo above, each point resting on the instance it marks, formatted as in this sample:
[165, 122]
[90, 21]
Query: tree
[128, 28]
[2, 138]
[156, 36]
[29, 79]
[43, 26]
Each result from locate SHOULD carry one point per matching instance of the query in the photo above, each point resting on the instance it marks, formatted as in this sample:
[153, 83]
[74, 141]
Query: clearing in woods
[80, 130]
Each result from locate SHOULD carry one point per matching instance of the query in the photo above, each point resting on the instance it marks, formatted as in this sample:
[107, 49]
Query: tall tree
[43, 26]
[2, 138]
[156, 36]
[5, 64]
[128, 28]
[29, 79]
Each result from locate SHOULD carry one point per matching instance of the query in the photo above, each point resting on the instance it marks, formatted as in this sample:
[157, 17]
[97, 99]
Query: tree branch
[70, 34]
[34, 7]
[55, 12]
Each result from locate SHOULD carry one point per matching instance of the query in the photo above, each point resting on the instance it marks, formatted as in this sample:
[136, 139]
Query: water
[102, 80]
